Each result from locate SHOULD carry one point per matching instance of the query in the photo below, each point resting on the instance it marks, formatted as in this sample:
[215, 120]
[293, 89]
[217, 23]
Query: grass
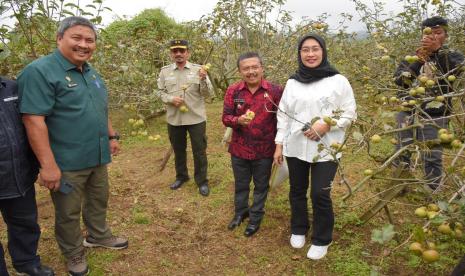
[182, 233]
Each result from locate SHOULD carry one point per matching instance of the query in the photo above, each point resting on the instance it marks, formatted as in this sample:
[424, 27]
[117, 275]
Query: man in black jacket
[434, 71]
[18, 172]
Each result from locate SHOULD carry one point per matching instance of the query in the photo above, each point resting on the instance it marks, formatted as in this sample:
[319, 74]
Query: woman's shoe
[317, 252]
[297, 241]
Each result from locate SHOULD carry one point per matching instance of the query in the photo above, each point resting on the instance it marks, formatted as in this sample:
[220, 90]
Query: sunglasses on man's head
[180, 50]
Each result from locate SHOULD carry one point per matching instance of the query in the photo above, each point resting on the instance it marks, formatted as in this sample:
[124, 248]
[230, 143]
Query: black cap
[435, 21]
[179, 43]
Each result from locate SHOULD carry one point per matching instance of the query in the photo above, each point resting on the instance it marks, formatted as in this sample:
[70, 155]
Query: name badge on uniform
[9, 99]
[70, 82]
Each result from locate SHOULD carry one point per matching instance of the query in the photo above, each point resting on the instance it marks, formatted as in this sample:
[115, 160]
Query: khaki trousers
[89, 194]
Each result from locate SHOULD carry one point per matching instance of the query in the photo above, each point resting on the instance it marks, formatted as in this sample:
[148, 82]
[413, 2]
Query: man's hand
[422, 54]
[202, 73]
[430, 43]
[177, 101]
[278, 155]
[317, 131]
[115, 147]
[50, 177]
[244, 120]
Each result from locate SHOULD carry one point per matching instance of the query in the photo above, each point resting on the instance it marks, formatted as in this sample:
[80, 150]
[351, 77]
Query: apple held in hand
[206, 67]
[329, 121]
[427, 31]
[183, 109]
[249, 114]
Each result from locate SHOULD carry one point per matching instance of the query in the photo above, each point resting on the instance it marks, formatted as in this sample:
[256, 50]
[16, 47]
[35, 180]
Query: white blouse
[305, 102]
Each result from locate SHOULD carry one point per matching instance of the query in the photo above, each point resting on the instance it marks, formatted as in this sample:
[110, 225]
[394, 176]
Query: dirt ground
[182, 233]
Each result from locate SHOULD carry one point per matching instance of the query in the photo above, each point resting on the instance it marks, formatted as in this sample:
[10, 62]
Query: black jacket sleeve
[404, 67]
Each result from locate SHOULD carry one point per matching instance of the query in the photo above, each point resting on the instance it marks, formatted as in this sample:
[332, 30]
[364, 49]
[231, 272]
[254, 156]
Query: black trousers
[432, 158]
[20, 216]
[244, 171]
[322, 175]
[178, 139]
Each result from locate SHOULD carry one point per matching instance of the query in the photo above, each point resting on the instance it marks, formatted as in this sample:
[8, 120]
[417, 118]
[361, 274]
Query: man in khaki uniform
[183, 87]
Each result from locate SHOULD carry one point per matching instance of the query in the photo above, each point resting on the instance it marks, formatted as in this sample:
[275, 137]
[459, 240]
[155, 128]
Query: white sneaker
[297, 241]
[317, 252]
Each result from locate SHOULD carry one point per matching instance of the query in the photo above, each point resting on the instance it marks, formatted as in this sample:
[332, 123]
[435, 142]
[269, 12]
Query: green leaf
[434, 104]
[443, 205]
[386, 114]
[387, 127]
[357, 136]
[71, 5]
[384, 235]
[437, 220]
[418, 234]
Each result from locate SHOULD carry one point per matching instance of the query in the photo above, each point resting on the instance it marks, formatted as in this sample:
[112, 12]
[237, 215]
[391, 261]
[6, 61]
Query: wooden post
[387, 196]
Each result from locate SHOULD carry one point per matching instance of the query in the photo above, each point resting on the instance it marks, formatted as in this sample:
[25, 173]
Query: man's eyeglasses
[250, 68]
[310, 50]
[180, 50]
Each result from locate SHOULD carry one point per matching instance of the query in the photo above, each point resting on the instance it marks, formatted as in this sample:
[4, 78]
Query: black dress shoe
[177, 184]
[251, 229]
[204, 190]
[236, 221]
[36, 271]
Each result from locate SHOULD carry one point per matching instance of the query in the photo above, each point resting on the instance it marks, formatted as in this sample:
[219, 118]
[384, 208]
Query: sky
[184, 10]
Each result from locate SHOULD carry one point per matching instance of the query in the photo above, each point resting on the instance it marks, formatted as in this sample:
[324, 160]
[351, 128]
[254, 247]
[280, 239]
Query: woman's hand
[278, 155]
[317, 131]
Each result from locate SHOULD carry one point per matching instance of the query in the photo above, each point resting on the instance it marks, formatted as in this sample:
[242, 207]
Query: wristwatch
[114, 137]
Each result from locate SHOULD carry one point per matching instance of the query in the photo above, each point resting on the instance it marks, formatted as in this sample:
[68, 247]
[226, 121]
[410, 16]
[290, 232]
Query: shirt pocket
[193, 82]
[170, 85]
[240, 106]
[70, 95]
